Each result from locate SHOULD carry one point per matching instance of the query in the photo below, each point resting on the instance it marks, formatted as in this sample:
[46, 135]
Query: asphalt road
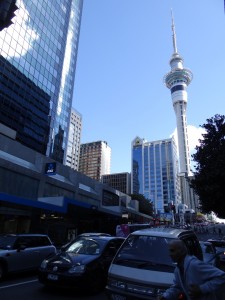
[28, 288]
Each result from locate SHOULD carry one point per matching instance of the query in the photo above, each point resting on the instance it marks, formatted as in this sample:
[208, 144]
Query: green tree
[145, 205]
[209, 176]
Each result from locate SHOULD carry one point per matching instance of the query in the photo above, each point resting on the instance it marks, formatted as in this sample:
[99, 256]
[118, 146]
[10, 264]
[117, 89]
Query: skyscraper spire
[174, 34]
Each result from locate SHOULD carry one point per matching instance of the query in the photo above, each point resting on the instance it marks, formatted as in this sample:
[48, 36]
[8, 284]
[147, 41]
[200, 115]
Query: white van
[142, 268]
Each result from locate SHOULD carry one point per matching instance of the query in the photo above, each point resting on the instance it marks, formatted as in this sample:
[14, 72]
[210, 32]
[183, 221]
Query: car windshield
[7, 242]
[145, 252]
[84, 246]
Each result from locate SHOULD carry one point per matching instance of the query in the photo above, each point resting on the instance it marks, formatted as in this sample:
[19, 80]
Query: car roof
[22, 234]
[206, 243]
[103, 238]
[218, 242]
[164, 232]
[94, 234]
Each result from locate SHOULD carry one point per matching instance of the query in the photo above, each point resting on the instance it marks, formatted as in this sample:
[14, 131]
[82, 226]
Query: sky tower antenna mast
[174, 34]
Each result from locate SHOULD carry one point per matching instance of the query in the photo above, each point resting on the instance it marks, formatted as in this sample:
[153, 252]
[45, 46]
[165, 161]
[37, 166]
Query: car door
[44, 248]
[110, 251]
[22, 256]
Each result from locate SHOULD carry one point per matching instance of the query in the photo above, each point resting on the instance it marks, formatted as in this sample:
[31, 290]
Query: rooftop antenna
[174, 34]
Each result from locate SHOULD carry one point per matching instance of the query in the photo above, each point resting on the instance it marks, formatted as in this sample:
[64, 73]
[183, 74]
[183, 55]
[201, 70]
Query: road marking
[16, 284]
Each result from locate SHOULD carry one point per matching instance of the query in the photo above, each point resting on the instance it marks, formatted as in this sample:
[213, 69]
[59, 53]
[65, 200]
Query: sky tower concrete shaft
[177, 81]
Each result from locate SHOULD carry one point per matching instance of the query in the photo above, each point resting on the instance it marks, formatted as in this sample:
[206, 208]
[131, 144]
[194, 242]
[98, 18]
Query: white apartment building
[73, 147]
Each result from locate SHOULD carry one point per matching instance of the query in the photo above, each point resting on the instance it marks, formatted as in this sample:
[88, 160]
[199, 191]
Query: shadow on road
[71, 293]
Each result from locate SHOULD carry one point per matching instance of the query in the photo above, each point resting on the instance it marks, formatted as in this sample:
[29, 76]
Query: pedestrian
[193, 277]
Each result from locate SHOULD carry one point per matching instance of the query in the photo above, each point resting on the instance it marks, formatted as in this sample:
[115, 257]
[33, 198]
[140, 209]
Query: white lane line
[16, 284]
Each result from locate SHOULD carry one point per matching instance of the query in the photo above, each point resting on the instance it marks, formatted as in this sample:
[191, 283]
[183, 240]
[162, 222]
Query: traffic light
[7, 12]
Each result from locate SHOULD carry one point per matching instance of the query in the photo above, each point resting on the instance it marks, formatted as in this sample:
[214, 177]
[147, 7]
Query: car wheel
[218, 264]
[96, 283]
[2, 271]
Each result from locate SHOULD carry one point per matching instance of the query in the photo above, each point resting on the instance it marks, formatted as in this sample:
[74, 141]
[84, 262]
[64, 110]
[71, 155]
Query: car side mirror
[111, 251]
[63, 248]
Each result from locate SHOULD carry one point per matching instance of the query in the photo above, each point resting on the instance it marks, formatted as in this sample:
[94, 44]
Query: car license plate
[52, 277]
[118, 297]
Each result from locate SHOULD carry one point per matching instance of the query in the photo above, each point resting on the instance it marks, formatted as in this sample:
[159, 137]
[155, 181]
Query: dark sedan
[210, 254]
[220, 248]
[82, 264]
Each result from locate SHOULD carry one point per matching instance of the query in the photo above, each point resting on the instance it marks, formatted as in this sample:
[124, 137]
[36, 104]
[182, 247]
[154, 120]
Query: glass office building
[118, 181]
[155, 172]
[39, 51]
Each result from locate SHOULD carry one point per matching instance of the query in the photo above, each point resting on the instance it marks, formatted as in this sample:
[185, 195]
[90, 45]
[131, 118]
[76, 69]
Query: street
[28, 287]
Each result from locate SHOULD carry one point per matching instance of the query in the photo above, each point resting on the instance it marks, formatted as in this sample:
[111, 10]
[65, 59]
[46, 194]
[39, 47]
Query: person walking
[194, 278]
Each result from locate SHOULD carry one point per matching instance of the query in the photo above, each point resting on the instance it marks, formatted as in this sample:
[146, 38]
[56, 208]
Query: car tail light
[181, 297]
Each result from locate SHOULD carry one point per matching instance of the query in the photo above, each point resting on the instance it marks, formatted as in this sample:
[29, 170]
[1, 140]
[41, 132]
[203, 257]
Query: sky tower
[177, 81]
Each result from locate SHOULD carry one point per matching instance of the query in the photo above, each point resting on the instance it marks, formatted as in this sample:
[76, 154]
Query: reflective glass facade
[42, 45]
[155, 172]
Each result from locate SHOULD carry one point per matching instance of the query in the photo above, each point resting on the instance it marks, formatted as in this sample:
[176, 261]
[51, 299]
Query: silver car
[220, 248]
[23, 252]
[142, 267]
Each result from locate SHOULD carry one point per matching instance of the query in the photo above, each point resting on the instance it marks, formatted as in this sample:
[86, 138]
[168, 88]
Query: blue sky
[124, 52]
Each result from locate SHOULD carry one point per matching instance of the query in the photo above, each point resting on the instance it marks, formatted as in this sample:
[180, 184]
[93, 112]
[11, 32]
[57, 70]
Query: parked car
[142, 267]
[23, 252]
[220, 248]
[210, 254]
[81, 264]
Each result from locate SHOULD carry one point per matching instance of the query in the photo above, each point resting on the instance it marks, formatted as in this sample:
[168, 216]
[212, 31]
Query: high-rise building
[38, 54]
[177, 81]
[155, 172]
[24, 107]
[73, 146]
[118, 181]
[95, 159]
